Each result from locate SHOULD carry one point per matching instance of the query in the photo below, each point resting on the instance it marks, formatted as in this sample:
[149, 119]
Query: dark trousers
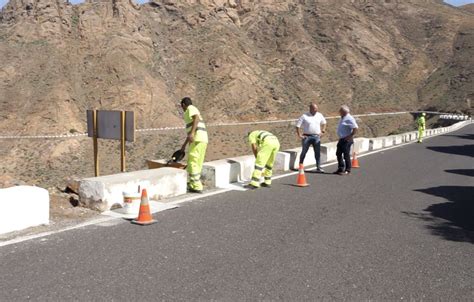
[343, 154]
[315, 141]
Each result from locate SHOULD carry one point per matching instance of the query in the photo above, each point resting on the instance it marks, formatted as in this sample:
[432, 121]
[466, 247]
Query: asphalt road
[399, 228]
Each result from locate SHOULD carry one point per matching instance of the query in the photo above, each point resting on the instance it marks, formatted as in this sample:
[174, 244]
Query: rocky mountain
[240, 60]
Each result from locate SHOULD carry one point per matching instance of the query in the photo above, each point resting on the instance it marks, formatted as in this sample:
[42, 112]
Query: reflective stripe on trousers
[421, 132]
[264, 163]
[197, 153]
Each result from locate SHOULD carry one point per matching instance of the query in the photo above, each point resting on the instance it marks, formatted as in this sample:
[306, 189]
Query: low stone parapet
[376, 143]
[104, 192]
[328, 152]
[361, 145]
[220, 173]
[22, 207]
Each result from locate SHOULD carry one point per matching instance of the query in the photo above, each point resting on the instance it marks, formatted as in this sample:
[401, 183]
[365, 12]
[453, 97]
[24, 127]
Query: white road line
[44, 234]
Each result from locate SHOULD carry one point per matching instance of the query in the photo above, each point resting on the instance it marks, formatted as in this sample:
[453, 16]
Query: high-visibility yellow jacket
[261, 138]
[201, 131]
[421, 121]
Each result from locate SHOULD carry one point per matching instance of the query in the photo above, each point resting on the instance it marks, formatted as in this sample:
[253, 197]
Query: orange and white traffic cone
[301, 180]
[355, 161]
[144, 216]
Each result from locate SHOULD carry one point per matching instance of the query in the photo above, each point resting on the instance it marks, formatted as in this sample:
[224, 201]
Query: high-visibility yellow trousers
[197, 153]
[264, 162]
[421, 132]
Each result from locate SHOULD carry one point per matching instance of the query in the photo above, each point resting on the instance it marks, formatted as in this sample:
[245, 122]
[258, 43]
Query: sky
[453, 2]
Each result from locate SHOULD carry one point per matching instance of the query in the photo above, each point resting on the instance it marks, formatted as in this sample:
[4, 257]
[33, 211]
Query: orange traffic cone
[301, 180]
[144, 216]
[355, 161]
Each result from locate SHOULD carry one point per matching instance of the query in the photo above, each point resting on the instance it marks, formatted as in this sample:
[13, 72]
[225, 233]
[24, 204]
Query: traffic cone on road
[301, 180]
[355, 161]
[144, 216]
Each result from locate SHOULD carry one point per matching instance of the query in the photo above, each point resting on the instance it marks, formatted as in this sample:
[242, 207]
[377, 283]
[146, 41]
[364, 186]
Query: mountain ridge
[240, 60]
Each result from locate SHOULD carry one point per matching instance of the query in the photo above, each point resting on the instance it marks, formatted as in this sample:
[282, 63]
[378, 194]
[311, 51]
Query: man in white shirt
[314, 125]
[346, 130]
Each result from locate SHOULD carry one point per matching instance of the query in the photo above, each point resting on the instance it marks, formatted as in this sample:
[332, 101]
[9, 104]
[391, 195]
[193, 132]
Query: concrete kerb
[22, 207]
[295, 157]
[397, 139]
[282, 162]
[246, 164]
[220, 173]
[361, 145]
[328, 152]
[387, 141]
[104, 192]
[376, 143]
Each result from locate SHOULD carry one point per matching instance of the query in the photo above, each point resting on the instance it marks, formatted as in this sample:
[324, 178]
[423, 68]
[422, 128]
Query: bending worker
[421, 126]
[312, 122]
[265, 147]
[197, 140]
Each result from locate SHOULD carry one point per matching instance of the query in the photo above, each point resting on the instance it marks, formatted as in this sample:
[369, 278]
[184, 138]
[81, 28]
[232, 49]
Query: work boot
[265, 185]
[251, 187]
[191, 190]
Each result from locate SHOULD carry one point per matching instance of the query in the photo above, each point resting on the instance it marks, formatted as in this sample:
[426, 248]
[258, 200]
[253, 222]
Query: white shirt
[346, 124]
[311, 123]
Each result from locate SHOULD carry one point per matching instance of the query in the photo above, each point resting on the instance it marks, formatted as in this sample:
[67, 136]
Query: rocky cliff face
[238, 59]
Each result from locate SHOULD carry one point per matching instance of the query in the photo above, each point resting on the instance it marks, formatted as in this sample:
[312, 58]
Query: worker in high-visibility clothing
[421, 126]
[265, 147]
[197, 140]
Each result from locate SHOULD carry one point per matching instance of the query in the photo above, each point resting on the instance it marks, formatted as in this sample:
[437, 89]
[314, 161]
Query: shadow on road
[465, 172]
[452, 220]
[464, 136]
[467, 150]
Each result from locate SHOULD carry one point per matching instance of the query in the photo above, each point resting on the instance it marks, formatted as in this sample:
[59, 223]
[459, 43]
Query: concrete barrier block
[361, 145]
[397, 139]
[406, 137]
[387, 141]
[246, 165]
[220, 173]
[295, 157]
[22, 207]
[104, 192]
[282, 162]
[376, 143]
[328, 152]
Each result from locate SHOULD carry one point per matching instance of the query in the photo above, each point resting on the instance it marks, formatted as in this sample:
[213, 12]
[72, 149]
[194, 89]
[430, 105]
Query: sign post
[96, 143]
[122, 141]
[108, 124]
